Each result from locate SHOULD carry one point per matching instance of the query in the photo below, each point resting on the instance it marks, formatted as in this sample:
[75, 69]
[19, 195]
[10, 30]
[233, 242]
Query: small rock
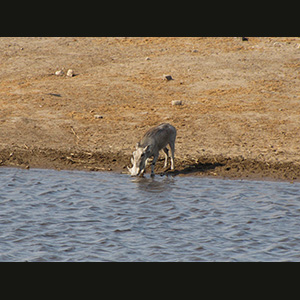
[278, 44]
[70, 73]
[244, 39]
[167, 77]
[147, 58]
[98, 117]
[176, 102]
[59, 73]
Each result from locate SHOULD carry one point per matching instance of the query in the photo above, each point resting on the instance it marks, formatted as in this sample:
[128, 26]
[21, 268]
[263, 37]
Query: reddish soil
[239, 116]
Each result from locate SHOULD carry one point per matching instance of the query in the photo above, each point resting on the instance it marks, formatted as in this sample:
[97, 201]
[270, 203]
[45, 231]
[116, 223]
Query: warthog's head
[140, 155]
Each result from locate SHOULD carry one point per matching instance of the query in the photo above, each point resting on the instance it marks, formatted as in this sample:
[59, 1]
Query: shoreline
[215, 166]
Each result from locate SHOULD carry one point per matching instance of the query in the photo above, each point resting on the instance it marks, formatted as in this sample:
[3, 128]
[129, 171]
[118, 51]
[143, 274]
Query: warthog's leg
[153, 164]
[166, 152]
[172, 146]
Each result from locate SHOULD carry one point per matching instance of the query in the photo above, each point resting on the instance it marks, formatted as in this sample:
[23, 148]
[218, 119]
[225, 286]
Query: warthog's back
[161, 135]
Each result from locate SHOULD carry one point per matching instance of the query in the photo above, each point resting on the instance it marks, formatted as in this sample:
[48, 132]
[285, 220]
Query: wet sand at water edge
[238, 118]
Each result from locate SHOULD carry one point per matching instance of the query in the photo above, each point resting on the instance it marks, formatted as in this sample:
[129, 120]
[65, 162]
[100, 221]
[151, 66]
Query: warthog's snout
[134, 171]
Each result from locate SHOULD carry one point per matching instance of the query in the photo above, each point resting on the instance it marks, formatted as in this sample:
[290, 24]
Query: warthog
[153, 141]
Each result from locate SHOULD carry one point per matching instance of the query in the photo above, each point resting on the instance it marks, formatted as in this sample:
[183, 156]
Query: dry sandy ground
[239, 117]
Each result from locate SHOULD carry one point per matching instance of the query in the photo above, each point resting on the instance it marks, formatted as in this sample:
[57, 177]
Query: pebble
[70, 73]
[98, 117]
[167, 77]
[59, 73]
[176, 102]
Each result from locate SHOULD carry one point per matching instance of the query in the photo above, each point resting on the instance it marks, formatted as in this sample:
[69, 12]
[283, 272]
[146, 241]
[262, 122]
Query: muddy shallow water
[48, 215]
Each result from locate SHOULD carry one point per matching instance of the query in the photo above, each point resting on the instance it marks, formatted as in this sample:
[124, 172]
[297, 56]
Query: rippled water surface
[48, 215]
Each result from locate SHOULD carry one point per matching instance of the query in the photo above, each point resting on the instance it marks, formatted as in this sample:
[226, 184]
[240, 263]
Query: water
[48, 215]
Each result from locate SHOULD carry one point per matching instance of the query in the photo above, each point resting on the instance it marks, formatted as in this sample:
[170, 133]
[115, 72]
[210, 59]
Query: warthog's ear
[137, 145]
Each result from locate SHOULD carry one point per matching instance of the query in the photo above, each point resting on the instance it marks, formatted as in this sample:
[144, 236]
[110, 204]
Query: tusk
[129, 169]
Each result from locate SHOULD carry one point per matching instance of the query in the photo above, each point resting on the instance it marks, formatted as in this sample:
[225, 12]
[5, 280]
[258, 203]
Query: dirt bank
[239, 116]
